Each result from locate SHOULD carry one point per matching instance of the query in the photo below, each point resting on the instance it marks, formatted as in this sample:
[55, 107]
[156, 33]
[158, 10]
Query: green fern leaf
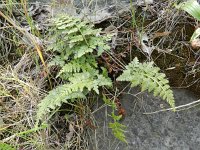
[82, 50]
[83, 24]
[57, 61]
[75, 38]
[84, 64]
[73, 90]
[72, 66]
[149, 78]
[73, 30]
[55, 98]
[117, 128]
[118, 131]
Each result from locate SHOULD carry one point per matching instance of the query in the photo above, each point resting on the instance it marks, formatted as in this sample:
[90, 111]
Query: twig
[178, 107]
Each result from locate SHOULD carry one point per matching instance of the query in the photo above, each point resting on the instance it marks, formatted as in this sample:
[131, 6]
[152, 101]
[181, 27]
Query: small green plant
[76, 45]
[4, 146]
[193, 8]
[116, 126]
[149, 78]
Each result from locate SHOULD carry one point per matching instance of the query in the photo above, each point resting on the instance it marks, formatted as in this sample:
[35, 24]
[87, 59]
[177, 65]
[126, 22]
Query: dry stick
[9, 138]
[6, 27]
[178, 107]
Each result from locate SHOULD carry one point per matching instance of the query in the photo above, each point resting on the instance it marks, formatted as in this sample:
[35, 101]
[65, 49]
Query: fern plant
[76, 45]
[149, 78]
[116, 126]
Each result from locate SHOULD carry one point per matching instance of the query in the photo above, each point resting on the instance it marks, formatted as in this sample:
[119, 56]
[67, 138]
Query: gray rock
[160, 131]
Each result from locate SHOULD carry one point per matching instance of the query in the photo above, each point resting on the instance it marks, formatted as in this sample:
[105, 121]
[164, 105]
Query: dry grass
[22, 90]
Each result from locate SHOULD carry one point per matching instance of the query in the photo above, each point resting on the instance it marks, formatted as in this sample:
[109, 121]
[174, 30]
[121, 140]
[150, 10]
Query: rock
[159, 131]
[95, 11]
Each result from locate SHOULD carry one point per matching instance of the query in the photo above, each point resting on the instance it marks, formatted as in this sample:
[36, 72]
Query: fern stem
[150, 77]
[82, 36]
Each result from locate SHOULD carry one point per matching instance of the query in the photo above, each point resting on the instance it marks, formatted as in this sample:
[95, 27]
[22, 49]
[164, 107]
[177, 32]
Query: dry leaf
[195, 43]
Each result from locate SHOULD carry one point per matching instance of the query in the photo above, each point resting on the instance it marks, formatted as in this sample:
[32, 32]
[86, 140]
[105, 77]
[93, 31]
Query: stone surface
[160, 131]
[95, 11]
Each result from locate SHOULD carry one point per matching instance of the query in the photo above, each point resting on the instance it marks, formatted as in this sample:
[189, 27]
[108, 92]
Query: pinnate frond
[149, 78]
[78, 83]
[73, 33]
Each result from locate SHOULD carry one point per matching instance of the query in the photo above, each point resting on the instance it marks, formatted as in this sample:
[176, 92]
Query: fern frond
[73, 90]
[55, 98]
[84, 64]
[78, 35]
[149, 78]
[90, 81]
[117, 128]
